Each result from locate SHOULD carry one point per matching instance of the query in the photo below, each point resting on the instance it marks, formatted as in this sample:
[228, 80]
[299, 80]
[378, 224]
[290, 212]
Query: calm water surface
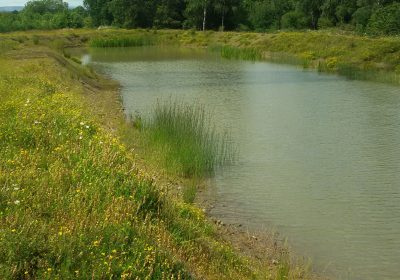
[319, 154]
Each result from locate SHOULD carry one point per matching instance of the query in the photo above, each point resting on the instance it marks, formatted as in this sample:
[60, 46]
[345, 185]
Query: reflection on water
[319, 155]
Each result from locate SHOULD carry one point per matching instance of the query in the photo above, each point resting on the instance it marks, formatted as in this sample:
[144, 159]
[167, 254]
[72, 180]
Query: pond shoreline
[264, 246]
[338, 52]
[107, 114]
[265, 250]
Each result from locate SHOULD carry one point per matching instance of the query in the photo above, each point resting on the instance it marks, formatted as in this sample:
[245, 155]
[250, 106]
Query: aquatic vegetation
[231, 52]
[188, 142]
[122, 41]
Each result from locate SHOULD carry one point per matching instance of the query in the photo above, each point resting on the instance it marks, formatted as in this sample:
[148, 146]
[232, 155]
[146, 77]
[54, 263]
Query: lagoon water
[319, 156]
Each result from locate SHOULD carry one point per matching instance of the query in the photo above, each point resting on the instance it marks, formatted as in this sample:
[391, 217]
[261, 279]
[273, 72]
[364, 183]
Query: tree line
[375, 17]
[44, 14]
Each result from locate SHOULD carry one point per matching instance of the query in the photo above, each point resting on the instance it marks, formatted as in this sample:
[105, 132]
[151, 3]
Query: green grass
[71, 200]
[122, 41]
[189, 143]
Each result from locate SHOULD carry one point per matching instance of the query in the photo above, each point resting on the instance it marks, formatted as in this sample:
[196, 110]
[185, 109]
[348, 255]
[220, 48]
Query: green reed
[191, 145]
[231, 52]
[123, 41]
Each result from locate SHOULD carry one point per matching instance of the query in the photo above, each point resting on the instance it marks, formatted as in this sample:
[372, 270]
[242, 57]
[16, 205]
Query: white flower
[17, 202]
[87, 126]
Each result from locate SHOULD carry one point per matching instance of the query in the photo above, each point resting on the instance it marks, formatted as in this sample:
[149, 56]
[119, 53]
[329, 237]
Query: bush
[324, 22]
[294, 20]
[385, 21]
[361, 17]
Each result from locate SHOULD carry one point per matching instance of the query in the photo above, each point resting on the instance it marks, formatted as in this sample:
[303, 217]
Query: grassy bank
[349, 55]
[354, 56]
[74, 200]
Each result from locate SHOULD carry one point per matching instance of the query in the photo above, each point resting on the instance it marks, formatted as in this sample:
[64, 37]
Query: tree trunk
[204, 15]
[313, 21]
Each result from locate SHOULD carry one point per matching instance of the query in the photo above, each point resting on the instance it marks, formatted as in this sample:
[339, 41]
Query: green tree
[169, 14]
[196, 13]
[295, 20]
[312, 8]
[385, 20]
[77, 17]
[42, 7]
[99, 11]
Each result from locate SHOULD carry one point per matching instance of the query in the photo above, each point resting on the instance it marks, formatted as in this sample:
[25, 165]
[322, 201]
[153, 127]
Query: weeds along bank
[354, 56]
[73, 203]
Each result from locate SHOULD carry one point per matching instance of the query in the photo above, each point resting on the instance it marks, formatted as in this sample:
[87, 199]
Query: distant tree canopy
[44, 14]
[376, 17]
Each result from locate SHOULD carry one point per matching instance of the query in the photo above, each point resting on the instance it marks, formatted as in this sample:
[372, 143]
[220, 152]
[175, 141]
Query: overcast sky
[4, 3]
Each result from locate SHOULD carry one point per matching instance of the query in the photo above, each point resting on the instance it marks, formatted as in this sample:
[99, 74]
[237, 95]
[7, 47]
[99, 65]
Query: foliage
[295, 20]
[364, 16]
[385, 20]
[43, 14]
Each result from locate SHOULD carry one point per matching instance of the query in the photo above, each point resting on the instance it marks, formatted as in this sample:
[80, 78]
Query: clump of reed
[190, 145]
[231, 52]
[121, 42]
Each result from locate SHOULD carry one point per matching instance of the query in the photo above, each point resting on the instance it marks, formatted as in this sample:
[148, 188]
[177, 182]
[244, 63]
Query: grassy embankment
[351, 55]
[73, 201]
[354, 56]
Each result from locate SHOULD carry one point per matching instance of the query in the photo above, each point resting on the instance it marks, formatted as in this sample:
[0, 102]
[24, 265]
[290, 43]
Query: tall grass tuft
[190, 144]
[240, 53]
[120, 42]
